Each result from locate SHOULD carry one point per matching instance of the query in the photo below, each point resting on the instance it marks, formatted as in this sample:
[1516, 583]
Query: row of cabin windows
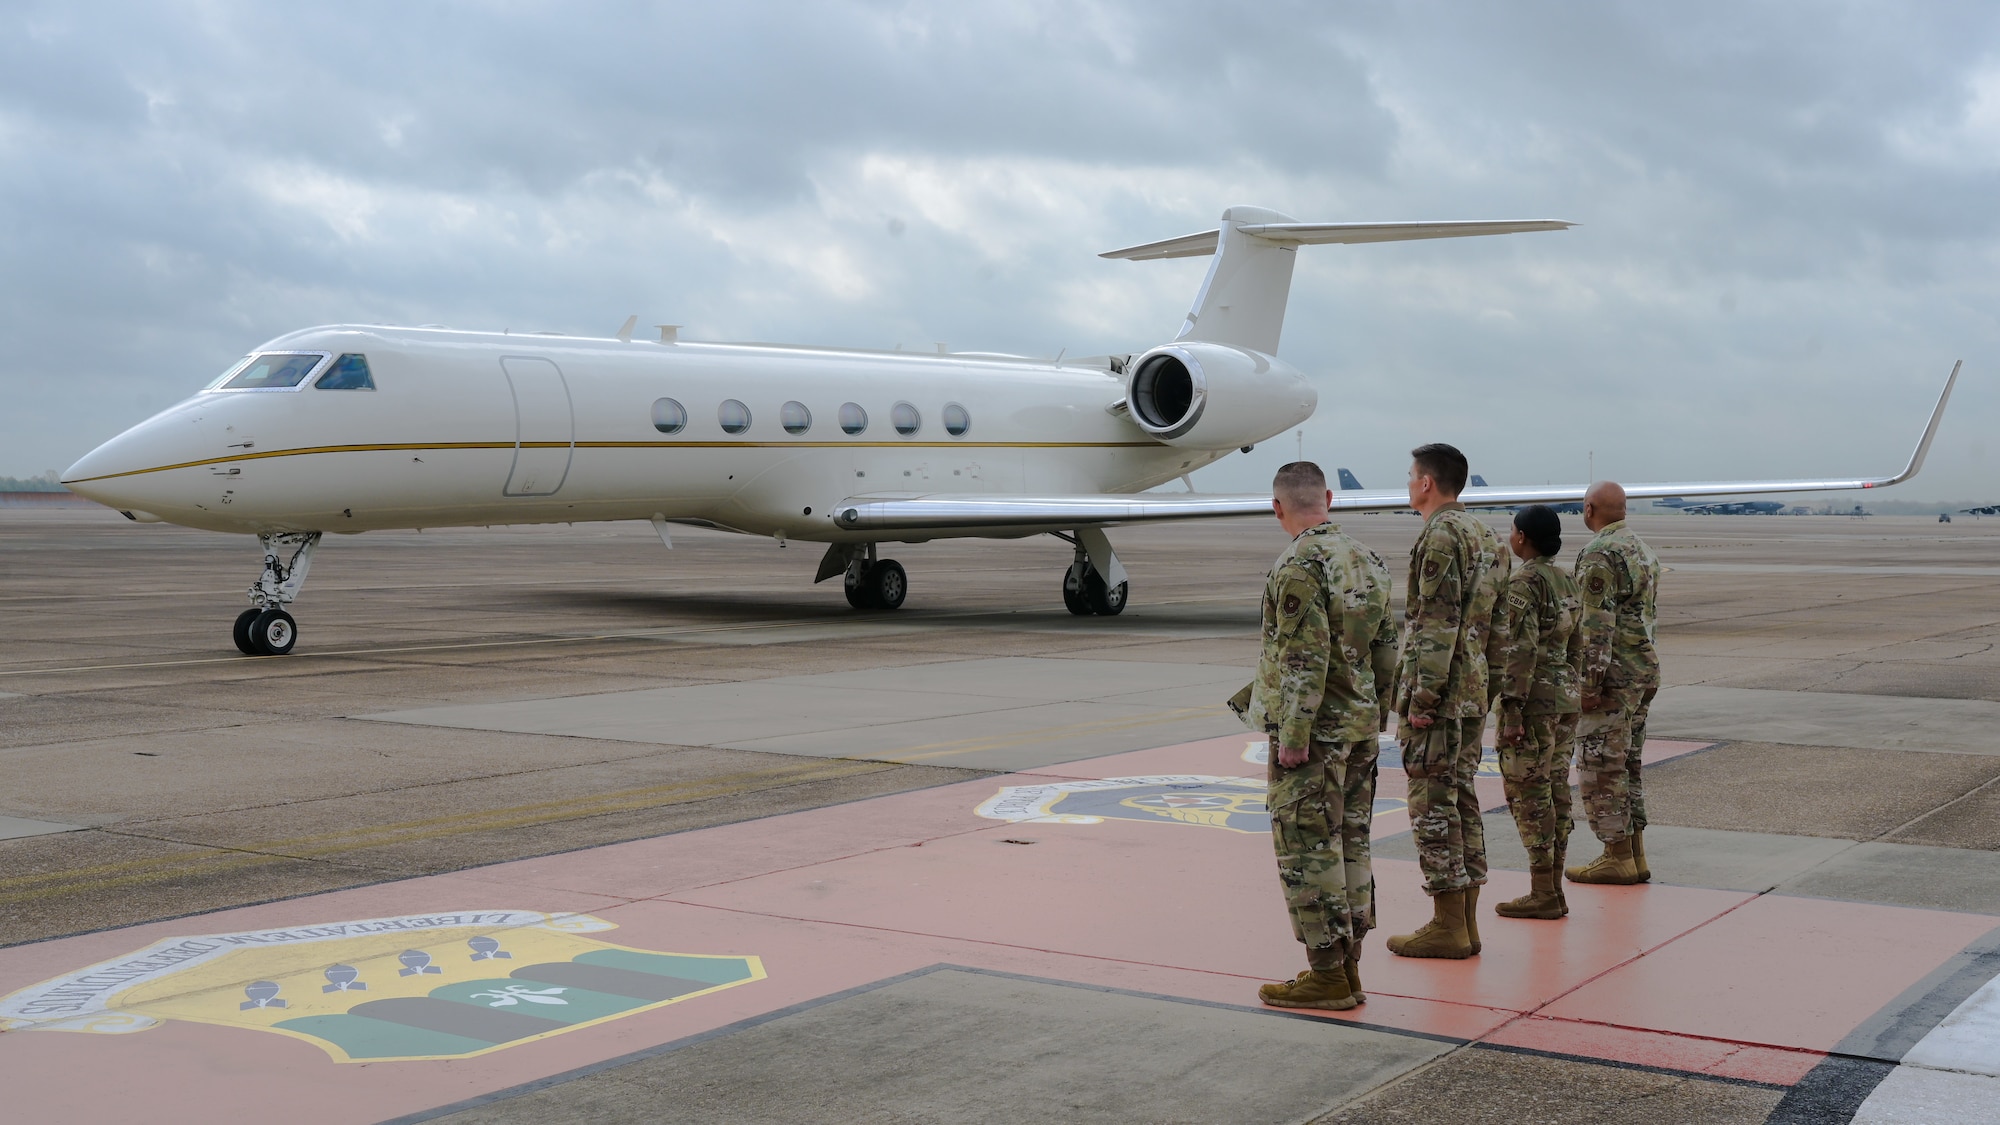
[670, 417]
[278, 371]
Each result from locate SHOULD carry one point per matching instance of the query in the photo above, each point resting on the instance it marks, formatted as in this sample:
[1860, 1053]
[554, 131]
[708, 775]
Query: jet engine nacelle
[1214, 396]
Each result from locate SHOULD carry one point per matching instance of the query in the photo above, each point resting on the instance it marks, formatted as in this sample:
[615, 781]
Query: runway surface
[552, 824]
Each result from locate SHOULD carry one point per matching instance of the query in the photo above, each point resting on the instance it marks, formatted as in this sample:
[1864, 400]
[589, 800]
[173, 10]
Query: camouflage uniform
[1539, 699]
[1454, 624]
[1619, 577]
[1328, 642]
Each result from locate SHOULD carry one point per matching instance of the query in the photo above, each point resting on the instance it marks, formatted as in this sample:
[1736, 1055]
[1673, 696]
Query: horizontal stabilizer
[1205, 242]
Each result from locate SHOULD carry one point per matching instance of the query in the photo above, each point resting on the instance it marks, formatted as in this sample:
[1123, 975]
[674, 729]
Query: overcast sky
[1790, 213]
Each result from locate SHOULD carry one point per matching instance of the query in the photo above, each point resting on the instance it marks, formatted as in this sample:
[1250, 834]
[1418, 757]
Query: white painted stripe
[1914, 1095]
[1968, 1039]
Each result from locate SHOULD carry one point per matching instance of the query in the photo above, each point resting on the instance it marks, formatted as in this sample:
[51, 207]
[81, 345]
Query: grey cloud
[1771, 269]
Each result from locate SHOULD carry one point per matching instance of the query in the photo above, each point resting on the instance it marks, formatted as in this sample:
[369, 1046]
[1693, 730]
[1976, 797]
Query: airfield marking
[22, 888]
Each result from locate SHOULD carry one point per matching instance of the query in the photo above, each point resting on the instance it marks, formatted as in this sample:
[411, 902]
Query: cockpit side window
[348, 373]
[275, 371]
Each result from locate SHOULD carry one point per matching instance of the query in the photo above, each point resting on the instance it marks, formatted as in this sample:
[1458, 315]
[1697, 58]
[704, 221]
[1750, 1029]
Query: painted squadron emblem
[430, 986]
[1235, 804]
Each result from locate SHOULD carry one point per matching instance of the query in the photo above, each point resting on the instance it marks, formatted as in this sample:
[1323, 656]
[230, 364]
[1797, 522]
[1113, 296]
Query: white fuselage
[467, 428]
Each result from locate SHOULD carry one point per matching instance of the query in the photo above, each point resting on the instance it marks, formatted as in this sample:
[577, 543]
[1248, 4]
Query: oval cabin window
[956, 420]
[669, 417]
[795, 418]
[734, 416]
[906, 419]
[853, 419]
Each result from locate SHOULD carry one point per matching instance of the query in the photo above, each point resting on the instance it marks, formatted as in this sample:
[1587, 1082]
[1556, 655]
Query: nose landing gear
[265, 629]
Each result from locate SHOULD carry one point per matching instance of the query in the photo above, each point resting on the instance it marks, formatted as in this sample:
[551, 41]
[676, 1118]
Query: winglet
[1930, 431]
[625, 330]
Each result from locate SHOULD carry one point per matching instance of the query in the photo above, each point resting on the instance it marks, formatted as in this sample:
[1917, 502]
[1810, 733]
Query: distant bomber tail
[1242, 300]
[1348, 481]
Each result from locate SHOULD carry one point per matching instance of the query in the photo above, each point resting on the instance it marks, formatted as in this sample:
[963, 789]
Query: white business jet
[357, 428]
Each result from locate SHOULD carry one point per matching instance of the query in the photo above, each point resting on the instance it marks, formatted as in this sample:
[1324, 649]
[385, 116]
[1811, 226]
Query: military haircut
[1443, 464]
[1543, 528]
[1300, 484]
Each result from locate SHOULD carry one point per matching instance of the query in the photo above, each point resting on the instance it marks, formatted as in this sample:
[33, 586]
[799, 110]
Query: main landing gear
[265, 629]
[1086, 593]
[870, 583]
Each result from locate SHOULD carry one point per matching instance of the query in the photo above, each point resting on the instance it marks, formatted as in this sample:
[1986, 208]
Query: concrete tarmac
[465, 698]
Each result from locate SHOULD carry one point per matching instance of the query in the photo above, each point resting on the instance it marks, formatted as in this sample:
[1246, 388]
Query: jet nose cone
[120, 473]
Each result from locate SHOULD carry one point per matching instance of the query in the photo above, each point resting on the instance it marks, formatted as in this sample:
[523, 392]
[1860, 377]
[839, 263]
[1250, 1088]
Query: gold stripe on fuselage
[425, 446]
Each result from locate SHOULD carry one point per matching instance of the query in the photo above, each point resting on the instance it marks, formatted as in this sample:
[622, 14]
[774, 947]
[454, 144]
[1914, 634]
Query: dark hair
[1301, 483]
[1543, 528]
[1443, 464]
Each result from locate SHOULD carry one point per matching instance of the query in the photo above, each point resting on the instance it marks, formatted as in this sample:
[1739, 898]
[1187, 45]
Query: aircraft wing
[972, 512]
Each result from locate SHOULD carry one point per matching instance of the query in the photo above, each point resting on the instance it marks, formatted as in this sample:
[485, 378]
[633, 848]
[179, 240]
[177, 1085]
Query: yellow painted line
[136, 872]
[405, 447]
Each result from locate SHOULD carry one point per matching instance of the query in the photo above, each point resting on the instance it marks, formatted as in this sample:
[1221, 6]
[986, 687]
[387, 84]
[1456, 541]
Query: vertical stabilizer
[1242, 300]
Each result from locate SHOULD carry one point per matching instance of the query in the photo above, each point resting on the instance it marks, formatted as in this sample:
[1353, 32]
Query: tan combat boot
[1472, 916]
[1354, 973]
[1614, 866]
[1443, 936]
[1543, 901]
[1314, 988]
[1639, 855]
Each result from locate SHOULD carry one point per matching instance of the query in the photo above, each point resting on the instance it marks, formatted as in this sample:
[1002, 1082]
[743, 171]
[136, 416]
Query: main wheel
[1105, 601]
[274, 632]
[1073, 599]
[887, 584]
[856, 586]
[240, 632]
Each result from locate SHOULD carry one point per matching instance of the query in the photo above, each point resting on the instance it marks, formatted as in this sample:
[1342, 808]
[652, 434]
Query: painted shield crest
[431, 986]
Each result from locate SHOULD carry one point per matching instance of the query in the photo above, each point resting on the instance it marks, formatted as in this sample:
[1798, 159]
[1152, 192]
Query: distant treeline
[46, 482]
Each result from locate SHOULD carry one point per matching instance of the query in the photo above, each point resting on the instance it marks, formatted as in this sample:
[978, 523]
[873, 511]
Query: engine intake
[1215, 396]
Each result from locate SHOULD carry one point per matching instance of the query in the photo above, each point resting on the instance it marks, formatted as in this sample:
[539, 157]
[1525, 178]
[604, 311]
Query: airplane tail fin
[1477, 481]
[1348, 481]
[1242, 300]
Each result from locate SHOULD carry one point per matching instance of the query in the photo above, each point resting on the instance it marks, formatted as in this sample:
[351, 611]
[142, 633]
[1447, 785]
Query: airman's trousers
[1534, 765]
[1609, 747]
[1321, 813]
[1442, 760]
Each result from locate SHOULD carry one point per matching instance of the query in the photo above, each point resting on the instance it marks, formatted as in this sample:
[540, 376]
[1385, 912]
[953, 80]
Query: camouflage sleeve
[1382, 659]
[1599, 625]
[1516, 668]
[1499, 631]
[1432, 635]
[1300, 653]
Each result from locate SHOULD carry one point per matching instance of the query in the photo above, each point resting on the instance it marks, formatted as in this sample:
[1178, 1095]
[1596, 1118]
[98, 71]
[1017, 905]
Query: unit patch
[421, 986]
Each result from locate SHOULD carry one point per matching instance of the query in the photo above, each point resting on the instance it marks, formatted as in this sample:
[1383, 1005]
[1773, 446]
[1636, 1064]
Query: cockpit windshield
[273, 371]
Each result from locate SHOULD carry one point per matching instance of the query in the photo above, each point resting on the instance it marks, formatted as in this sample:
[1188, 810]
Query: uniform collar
[1323, 525]
[1448, 506]
[1611, 527]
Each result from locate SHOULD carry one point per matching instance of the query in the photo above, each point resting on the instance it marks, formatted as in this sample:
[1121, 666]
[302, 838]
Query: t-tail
[1242, 300]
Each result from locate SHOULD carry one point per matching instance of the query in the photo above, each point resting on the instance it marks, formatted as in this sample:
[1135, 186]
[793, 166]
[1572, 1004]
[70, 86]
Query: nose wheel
[266, 632]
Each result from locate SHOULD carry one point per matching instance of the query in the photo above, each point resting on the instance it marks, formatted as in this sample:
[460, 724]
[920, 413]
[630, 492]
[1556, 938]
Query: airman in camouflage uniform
[1539, 699]
[1619, 577]
[1454, 624]
[1328, 643]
